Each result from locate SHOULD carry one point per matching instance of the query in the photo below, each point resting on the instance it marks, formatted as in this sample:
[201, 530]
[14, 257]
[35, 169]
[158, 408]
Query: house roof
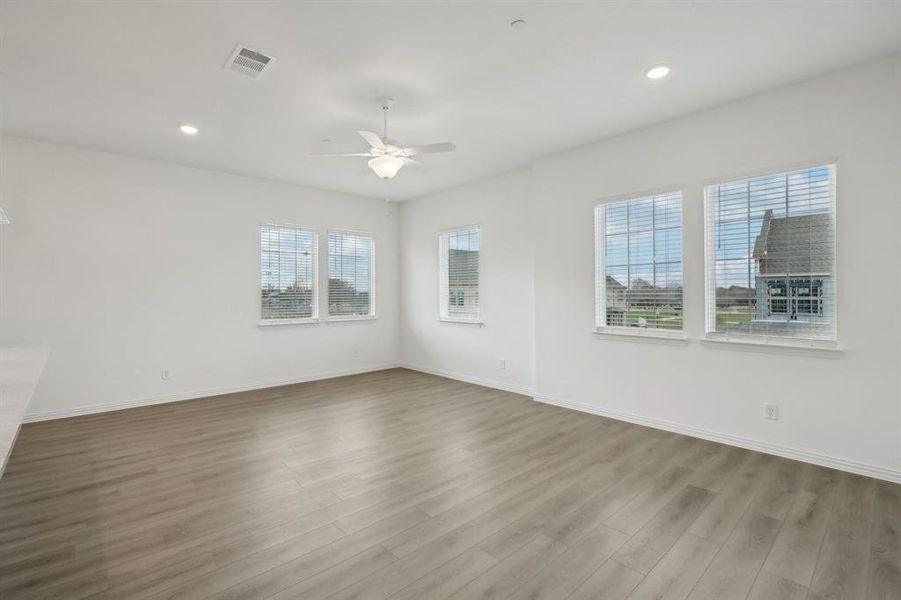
[611, 282]
[795, 245]
[639, 283]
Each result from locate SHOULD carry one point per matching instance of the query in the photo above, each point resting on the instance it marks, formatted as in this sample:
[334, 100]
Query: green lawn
[665, 318]
[668, 318]
[726, 319]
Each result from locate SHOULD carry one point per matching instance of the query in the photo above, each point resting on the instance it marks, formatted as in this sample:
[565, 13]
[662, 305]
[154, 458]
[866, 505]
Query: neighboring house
[463, 282]
[293, 301]
[793, 270]
[616, 302]
[640, 295]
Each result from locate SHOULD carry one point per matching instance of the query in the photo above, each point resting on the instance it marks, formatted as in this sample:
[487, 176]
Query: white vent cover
[249, 62]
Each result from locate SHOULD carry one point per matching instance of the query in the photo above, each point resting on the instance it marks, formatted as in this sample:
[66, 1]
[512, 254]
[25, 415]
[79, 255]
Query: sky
[286, 257]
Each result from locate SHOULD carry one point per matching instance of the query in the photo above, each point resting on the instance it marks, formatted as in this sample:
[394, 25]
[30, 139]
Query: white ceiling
[121, 76]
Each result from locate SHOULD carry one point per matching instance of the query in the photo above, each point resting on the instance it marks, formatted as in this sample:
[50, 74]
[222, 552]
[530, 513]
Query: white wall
[843, 411]
[848, 407]
[124, 267]
[500, 206]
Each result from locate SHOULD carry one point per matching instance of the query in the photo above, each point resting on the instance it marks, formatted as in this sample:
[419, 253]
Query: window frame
[600, 272]
[444, 315]
[316, 317]
[787, 343]
[329, 318]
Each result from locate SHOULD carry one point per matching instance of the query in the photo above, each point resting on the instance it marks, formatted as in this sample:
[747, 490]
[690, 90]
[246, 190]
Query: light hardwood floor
[402, 485]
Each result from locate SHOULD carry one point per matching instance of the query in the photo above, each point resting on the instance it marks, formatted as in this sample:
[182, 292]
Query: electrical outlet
[356, 354]
[771, 412]
[503, 364]
[164, 374]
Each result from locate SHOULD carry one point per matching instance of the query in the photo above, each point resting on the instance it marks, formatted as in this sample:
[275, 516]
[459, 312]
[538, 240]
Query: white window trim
[345, 318]
[281, 322]
[600, 275]
[442, 283]
[372, 314]
[752, 343]
[793, 345]
[316, 275]
[461, 321]
[639, 332]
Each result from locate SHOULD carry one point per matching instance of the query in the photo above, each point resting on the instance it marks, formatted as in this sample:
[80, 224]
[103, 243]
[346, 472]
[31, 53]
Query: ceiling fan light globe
[386, 167]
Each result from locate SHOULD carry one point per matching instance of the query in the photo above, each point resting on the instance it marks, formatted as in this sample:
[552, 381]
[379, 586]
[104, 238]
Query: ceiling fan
[387, 156]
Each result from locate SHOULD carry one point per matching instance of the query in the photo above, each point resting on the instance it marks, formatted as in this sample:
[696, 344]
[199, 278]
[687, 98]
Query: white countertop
[20, 369]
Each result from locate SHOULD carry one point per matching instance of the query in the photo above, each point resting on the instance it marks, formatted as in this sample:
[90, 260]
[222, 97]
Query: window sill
[350, 318]
[462, 321]
[636, 334]
[278, 322]
[825, 349]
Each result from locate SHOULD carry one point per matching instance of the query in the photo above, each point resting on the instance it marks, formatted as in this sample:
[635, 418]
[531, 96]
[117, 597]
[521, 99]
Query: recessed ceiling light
[189, 129]
[657, 72]
[518, 24]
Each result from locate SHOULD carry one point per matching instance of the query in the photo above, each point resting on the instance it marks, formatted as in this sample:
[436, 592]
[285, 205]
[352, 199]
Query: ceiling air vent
[249, 62]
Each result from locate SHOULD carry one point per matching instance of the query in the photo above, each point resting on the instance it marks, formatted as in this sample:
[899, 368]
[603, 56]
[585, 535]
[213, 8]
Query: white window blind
[771, 255]
[459, 274]
[350, 275]
[288, 289]
[638, 262]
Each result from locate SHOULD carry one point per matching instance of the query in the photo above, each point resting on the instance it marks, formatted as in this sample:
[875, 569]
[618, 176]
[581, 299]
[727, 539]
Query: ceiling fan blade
[429, 148]
[372, 139]
[345, 154]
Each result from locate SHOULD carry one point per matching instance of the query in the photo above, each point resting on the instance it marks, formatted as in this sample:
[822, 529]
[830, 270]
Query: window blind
[638, 245]
[288, 289]
[771, 255]
[350, 280]
[459, 274]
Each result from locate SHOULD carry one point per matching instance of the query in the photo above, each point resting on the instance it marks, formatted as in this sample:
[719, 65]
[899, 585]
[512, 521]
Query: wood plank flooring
[399, 485]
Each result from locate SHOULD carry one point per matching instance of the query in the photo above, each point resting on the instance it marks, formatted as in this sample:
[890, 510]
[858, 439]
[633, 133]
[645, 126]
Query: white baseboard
[194, 394]
[498, 385]
[765, 447]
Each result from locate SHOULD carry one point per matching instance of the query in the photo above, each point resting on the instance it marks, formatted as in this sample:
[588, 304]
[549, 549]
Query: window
[777, 297]
[771, 255]
[638, 247]
[807, 296]
[288, 288]
[459, 277]
[350, 281]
